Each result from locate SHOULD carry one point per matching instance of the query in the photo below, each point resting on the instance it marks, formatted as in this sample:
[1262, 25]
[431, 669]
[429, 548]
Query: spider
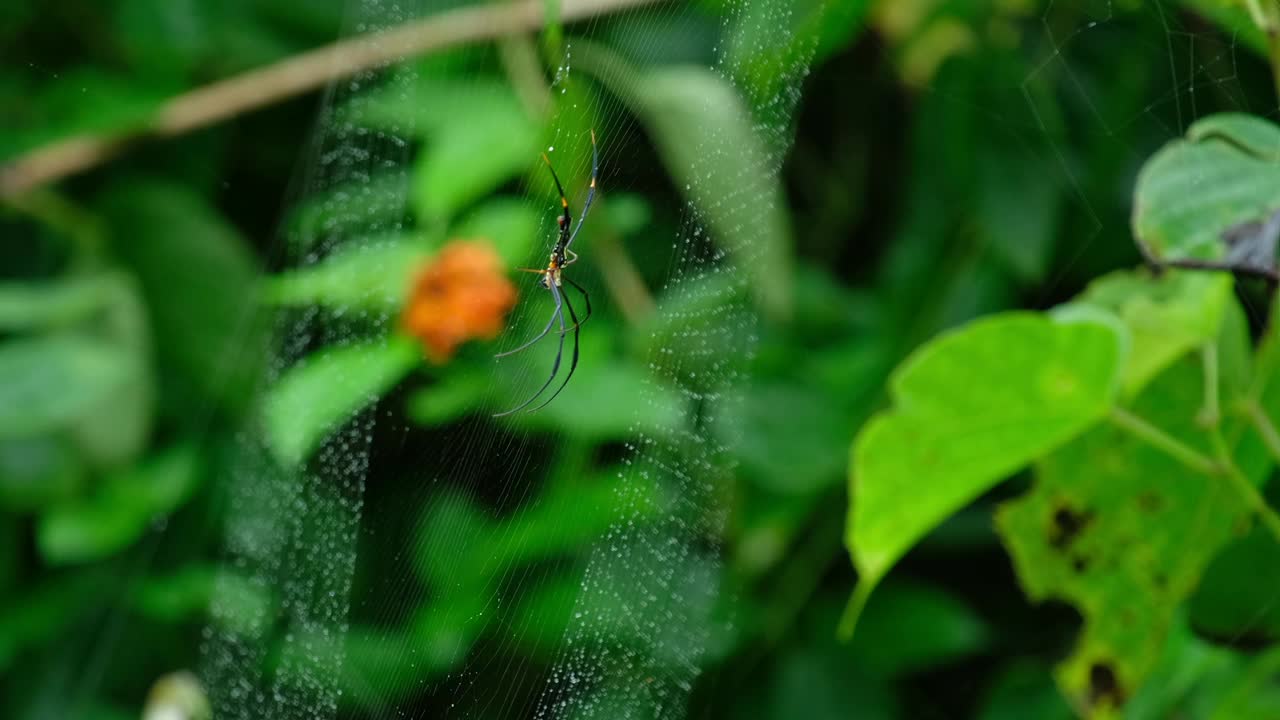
[552, 278]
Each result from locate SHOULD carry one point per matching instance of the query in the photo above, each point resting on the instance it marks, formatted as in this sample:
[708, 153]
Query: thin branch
[1211, 413]
[1162, 441]
[621, 276]
[519, 58]
[1272, 276]
[1245, 489]
[294, 76]
[1266, 430]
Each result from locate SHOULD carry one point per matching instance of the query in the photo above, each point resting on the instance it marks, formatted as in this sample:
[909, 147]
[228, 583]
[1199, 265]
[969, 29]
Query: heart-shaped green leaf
[1206, 198]
[969, 409]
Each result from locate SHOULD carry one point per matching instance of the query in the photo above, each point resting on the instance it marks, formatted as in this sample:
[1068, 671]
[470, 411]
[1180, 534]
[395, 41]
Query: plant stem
[620, 273]
[1245, 489]
[1162, 441]
[294, 76]
[1211, 414]
[519, 58]
[1266, 429]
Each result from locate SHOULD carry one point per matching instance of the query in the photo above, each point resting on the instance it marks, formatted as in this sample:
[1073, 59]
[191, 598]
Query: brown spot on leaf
[1104, 686]
[1067, 526]
[1150, 502]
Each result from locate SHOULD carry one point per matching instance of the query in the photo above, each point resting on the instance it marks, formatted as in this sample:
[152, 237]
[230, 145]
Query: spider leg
[591, 193]
[540, 335]
[564, 200]
[586, 298]
[573, 364]
[555, 367]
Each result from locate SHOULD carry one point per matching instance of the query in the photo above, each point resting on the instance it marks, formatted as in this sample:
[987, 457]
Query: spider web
[487, 611]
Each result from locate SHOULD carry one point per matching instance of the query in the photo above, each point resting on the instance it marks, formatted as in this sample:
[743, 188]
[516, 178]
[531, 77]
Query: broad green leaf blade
[1251, 134]
[38, 471]
[91, 378]
[911, 628]
[564, 521]
[29, 306]
[1232, 604]
[375, 275]
[84, 100]
[50, 382]
[1233, 19]
[969, 409]
[509, 224]
[120, 509]
[777, 452]
[450, 397]
[1193, 196]
[316, 396]
[478, 137]
[198, 275]
[808, 30]
[353, 208]
[704, 133]
[1122, 531]
[1166, 316]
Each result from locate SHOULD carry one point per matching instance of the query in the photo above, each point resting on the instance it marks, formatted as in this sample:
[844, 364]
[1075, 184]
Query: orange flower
[460, 294]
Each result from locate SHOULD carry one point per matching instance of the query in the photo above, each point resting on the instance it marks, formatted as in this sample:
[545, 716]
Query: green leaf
[326, 388]
[1166, 316]
[374, 275]
[1016, 208]
[625, 398]
[33, 306]
[911, 628]
[120, 509]
[351, 209]
[53, 381]
[1025, 691]
[1233, 18]
[1192, 679]
[83, 101]
[565, 520]
[1122, 531]
[166, 37]
[796, 35]
[1231, 604]
[478, 136]
[36, 616]
[448, 399]
[116, 428]
[193, 593]
[705, 136]
[382, 667]
[91, 378]
[1225, 174]
[969, 409]
[199, 277]
[509, 224]
[38, 471]
[790, 437]
[471, 158]
[1251, 134]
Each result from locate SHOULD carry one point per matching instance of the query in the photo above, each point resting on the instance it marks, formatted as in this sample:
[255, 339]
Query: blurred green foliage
[947, 160]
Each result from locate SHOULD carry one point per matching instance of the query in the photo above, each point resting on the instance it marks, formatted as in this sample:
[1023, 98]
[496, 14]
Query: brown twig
[291, 77]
